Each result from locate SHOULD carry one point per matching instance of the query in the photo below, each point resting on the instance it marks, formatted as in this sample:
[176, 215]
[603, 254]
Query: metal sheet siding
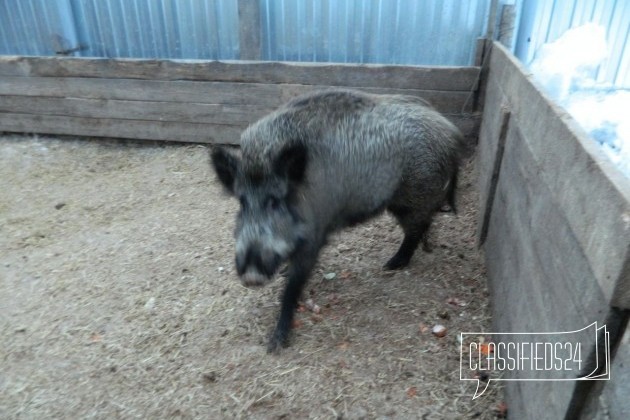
[36, 27]
[440, 32]
[192, 29]
[545, 21]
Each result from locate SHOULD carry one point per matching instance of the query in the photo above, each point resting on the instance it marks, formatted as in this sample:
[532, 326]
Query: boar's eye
[272, 203]
[243, 201]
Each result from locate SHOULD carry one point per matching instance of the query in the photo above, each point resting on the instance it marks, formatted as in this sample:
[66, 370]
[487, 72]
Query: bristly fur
[340, 157]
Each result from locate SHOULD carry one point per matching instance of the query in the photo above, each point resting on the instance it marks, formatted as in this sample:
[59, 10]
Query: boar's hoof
[252, 279]
[277, 342]
[397, 262]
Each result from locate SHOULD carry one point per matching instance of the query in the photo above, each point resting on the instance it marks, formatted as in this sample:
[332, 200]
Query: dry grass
[118, 299]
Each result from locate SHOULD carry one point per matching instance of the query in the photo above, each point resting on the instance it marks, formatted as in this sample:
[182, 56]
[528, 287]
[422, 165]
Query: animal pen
[552, 225]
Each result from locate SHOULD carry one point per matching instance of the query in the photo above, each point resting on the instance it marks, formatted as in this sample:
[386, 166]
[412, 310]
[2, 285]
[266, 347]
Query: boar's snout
[256, 266]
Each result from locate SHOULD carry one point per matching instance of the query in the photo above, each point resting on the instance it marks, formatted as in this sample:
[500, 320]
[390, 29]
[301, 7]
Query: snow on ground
[566, 68]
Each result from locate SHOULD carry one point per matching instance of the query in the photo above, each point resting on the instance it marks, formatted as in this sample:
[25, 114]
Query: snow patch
[566, 69]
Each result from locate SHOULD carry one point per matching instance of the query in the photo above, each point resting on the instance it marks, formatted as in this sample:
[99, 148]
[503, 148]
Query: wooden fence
[555, 214]
[198, 101]
[555, 224]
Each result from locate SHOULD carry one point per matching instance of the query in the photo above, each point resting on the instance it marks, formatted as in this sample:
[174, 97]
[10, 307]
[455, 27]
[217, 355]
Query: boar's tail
[463, 150]
[450, 194]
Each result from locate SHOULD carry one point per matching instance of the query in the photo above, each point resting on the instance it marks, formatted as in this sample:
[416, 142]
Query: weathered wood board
[185, 92]
[350, 75]
[555, 216]
[186, 100]
[133, 129]
[613, 401]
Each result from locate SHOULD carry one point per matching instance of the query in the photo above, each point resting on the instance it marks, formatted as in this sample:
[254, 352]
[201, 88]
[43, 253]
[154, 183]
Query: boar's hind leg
[298, 271]
[415, 231]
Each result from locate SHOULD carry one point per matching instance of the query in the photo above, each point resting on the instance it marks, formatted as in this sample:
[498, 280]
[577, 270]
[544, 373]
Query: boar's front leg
[299, 270]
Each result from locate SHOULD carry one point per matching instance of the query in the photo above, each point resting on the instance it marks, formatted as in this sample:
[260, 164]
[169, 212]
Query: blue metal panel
[194, 29]
[36, 27]
[191, 29]
[545, 21]
[440, 32]
[365, 31]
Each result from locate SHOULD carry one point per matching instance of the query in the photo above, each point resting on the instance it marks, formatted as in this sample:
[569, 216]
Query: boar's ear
[292, 163]
[225, 165]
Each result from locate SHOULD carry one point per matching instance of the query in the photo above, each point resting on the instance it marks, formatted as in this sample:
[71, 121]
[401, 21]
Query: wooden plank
[163, 111]
[227, 93]
[538, 273]
[149, 90]
[489, 188]
[482, 59]
[249, 29]
[189, 112]
[546, 260]
[607, 399]
[481, 47]
[507, 25]
[615, 394]
[350, 75]
[58, 122]
[558, 233]
[589, 188]
[488, 151]
[131, 129]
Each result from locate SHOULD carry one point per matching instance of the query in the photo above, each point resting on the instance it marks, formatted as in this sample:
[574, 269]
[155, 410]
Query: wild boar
[328, 160]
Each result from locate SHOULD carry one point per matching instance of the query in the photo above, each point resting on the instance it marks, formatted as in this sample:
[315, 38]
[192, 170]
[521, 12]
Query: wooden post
[249, 29]
[494, 179]
[492, 20]
[507, 25]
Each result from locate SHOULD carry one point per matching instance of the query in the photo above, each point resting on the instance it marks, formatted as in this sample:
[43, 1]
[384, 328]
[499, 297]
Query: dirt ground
[119, 299]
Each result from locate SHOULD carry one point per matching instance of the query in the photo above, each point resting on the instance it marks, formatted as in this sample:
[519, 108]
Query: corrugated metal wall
[440, 32]
[36, 27]
[193, 29]
[431, 32]
[545, 21]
